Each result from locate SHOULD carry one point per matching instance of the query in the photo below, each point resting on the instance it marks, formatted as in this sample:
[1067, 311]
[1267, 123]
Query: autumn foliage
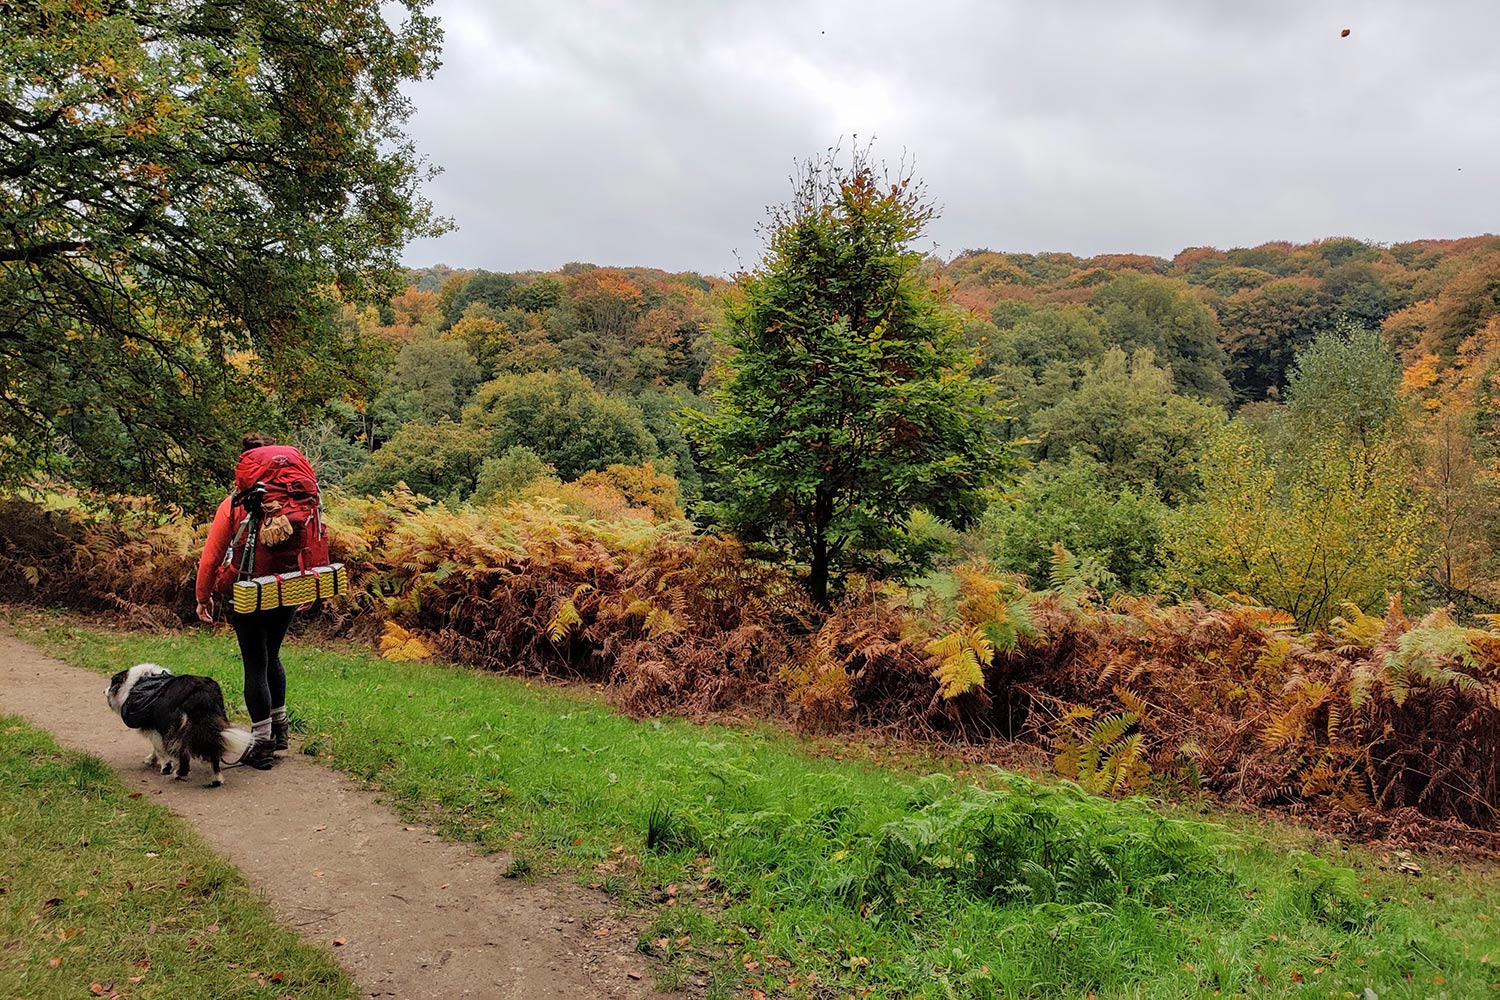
[1385, 723]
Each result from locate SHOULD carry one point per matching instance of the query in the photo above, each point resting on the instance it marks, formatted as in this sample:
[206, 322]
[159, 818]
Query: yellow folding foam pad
[281, 590]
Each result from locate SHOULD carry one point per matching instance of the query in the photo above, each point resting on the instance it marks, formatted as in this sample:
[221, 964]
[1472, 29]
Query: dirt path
[421, 917]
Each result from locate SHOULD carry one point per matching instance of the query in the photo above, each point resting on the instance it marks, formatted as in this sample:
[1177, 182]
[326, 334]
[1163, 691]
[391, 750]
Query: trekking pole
[253, 512]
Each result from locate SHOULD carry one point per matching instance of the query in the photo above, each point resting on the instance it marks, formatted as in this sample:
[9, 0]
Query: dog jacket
[136, 710]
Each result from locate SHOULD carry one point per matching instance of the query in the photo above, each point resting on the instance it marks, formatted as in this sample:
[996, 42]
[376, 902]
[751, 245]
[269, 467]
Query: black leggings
[260, 634]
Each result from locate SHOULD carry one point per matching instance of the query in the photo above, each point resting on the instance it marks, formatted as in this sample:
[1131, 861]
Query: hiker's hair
[255, 439]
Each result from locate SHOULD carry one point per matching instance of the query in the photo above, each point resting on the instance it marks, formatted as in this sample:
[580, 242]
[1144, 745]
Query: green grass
[100, 887]
[805, 876]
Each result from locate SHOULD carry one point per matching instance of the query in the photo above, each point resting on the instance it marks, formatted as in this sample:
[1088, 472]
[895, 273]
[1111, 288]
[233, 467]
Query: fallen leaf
[633, 975]
[49, 904]
[445, 885]
[325, 826]
[137, 979]
[212, 928]
[577, 841]
[63, 933]
[339, 942]
[54, 962]
[97, 989]
[757, 995]
[317, 874]
[82, 892]
[277, 977]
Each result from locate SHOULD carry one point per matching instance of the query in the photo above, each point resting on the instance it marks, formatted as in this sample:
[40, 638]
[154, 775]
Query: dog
[182, 714]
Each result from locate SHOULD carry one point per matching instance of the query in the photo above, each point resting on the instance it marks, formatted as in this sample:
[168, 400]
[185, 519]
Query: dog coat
[136, 710]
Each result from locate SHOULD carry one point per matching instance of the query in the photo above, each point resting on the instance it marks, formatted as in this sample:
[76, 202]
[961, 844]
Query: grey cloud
[656, 133]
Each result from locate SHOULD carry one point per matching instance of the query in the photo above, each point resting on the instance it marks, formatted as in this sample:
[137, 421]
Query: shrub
[1075, 505]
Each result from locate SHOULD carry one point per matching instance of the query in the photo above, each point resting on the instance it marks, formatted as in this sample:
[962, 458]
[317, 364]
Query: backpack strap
[239, 533]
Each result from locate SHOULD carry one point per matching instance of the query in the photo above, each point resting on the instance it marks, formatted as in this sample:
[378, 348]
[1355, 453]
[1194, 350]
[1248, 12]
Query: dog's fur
[186, 718]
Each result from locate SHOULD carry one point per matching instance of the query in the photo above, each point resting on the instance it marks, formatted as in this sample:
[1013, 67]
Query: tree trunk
[817, 577]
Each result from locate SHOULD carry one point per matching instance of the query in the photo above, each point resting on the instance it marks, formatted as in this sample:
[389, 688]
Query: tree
[510, 342]
[1341, 525]
[1125, 416]
[1326, 505]
[188, 190]
[847, 399]
[497, 291]
[441, 460]
[503, 477]
[1265, 327]
[431, 381]
[1159, 313]
[1344, 383]
[562, 418]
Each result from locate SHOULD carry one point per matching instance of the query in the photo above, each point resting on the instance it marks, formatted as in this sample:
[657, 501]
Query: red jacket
[219, 535]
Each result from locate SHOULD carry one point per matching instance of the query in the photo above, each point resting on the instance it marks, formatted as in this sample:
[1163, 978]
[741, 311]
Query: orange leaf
[339, 942]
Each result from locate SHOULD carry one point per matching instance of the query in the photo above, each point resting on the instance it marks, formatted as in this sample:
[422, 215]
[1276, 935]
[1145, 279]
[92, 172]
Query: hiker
[252, 535]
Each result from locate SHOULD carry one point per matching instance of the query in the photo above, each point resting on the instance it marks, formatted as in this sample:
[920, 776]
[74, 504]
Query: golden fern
[399, 645]
[567, 617]
[962, 657]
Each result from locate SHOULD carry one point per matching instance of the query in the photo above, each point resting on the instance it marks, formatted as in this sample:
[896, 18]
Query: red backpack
[272, 482]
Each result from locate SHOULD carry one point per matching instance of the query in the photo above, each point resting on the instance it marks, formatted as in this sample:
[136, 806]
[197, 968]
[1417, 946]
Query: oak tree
[187, 191]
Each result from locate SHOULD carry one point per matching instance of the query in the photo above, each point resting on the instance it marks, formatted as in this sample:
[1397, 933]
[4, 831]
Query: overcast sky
[656, 132]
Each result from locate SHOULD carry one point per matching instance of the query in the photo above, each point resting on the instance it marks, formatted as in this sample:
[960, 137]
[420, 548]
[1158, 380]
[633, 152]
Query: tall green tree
[847, 400]
[187, 190]
[1125, 416]
[1161, 314]
[432, 380]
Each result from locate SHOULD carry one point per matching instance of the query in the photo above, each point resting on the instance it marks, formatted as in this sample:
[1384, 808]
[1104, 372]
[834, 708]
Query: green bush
[1075, 505]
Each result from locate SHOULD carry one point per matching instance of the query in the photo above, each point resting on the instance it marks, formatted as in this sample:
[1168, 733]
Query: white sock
[261, 731]
[278, 714]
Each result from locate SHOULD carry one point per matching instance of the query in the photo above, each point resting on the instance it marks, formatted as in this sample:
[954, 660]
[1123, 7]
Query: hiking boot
[280, 735]
[260, 756]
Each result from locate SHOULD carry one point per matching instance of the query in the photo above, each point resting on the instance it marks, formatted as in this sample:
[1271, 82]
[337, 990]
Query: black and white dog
[183, 715]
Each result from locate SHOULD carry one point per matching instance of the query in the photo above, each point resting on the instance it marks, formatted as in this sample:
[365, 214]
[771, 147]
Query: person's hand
[206, 610]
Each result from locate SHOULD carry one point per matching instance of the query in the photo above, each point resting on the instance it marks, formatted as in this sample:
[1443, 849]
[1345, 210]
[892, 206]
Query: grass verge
[805, 877]
[104, 894]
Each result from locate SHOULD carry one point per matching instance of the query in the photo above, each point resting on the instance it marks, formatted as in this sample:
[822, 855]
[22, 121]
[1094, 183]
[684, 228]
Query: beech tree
[187, 192]
[847, 400]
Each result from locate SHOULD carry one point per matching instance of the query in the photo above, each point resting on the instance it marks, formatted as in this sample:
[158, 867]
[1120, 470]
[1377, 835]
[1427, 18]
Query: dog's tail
[235, 743]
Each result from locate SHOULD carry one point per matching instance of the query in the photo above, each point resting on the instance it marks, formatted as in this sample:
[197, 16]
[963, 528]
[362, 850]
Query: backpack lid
[273, 463]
